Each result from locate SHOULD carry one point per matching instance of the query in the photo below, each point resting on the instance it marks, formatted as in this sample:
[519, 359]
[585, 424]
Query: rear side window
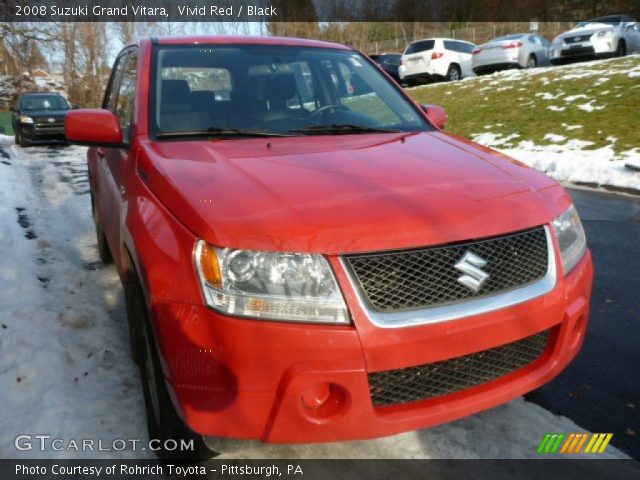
[459, 47]
[467, 47]
[420, 46]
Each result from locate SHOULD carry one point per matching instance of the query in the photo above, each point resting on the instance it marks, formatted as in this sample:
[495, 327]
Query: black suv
[39, 118]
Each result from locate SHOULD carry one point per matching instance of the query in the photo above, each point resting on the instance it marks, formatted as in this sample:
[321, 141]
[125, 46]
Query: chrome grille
[44, 125]
[441, 378]
[578, 38]
[424, 278]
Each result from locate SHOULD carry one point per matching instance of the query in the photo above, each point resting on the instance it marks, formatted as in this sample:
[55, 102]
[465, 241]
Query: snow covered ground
[65, 368]
[600, 166]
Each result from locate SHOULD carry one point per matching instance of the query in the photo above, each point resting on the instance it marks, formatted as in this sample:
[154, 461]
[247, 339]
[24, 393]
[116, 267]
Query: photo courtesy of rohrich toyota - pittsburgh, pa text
[319, 239]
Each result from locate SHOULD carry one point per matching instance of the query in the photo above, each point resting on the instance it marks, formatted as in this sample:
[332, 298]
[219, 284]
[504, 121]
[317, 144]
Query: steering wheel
[332, 106]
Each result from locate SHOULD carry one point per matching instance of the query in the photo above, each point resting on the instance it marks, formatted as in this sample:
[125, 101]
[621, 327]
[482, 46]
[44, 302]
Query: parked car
[333, 269]
[436, 59]
[615, 35]
[389, 62]
[520, 50]
[38, 118]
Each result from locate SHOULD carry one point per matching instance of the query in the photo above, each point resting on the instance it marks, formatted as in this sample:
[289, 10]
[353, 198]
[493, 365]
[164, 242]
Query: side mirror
[93, 128]
[75, 106]
[436, 115]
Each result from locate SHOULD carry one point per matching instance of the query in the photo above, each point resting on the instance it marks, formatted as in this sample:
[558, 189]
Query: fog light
[324, 402]
[316, 396]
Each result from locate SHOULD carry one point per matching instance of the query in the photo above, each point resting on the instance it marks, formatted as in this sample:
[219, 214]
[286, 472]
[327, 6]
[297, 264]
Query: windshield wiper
[342, 128]
[222, 132]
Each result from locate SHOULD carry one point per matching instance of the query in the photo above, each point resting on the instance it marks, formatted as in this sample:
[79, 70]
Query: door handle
[123, 191]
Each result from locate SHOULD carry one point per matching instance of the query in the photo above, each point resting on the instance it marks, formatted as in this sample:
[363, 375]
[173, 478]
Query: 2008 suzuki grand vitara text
[308, 257]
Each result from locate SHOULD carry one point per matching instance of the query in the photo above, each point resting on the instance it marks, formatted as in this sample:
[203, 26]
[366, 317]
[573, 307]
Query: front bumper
[242, 378]
[37, 135]
[593, 48]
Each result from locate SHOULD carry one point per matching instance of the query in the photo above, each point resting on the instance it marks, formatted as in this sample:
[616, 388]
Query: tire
[532, 62]
[133, 319]
[453, 73]
[163, 422]
[21, 141]
[621, 51]
[103, 247]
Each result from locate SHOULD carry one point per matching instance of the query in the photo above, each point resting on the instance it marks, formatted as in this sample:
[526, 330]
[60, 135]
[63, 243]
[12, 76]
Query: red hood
[349, 193]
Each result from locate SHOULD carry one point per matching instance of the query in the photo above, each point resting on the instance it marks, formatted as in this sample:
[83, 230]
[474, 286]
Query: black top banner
[312, 10]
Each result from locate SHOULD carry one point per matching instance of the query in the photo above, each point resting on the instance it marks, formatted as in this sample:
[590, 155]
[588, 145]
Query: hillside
[578, 122]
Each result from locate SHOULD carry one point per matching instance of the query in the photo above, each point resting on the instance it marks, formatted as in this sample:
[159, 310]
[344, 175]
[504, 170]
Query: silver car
[615, 35]
[519, 50]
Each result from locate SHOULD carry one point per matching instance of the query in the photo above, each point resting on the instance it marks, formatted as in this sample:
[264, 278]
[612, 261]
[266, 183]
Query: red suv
[307, 256]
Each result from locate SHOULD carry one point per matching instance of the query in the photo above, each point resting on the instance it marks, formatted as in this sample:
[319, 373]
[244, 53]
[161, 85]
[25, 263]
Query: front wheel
[453, 73]
[163, 422]
[103, 248]
[621, 51]
[20, 140]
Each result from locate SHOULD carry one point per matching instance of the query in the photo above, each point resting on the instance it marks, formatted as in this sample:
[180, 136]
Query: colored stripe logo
[574, 443]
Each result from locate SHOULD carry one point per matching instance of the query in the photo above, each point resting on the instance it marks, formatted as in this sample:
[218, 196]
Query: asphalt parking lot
[600, 390]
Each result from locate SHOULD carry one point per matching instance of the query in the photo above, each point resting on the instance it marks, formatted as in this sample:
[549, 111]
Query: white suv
[435, 59]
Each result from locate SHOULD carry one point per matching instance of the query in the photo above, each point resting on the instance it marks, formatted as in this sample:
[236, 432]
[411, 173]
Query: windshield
[235, 90]
[608, 20]
[43, 102]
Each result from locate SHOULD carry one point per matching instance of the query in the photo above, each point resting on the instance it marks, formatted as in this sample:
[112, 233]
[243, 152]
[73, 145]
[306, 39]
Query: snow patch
[590, 107]
[572, 161]
[552, 137]
[571, 98]
[488, 138]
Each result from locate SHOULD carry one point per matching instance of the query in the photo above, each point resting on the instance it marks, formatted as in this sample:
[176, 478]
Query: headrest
[280, 88]
[175, 91]
[203, 99]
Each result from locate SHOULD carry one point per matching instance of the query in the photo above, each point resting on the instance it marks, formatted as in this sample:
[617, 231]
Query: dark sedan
[389, 63]
[38, 118]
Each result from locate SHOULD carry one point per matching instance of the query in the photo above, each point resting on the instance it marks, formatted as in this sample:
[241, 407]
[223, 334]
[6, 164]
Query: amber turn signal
[209, 265]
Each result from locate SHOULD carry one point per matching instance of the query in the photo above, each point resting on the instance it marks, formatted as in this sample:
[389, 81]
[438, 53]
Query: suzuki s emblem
[474, 277]
[51, 120]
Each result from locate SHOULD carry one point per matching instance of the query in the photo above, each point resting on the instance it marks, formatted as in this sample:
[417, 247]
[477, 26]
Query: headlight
[270, 285]
[557, 41]
[25, 119]
[571, 238]
[605, 33]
